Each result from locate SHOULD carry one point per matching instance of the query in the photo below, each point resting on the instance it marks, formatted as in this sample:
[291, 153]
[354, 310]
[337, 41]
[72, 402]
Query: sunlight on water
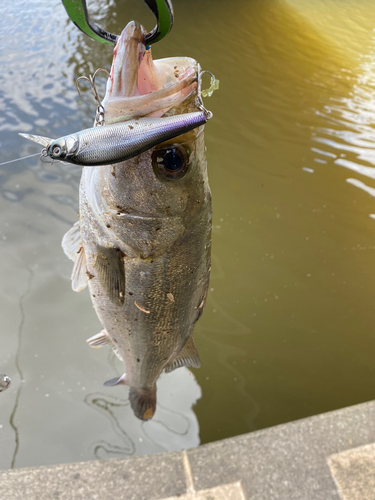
[350, 134]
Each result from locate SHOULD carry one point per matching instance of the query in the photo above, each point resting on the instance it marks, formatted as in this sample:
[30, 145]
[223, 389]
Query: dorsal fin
[188, 357]
[71, 242]
[111, 273]
[79, 276]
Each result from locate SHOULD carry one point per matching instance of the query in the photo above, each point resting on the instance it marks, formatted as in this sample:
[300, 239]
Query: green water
[288, 329]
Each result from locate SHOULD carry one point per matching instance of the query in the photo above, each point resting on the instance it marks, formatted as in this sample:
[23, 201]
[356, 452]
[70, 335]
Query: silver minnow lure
[4, 382]
[118, 142]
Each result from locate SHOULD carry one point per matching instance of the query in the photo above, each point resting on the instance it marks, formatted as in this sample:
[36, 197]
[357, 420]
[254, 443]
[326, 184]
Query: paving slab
[285, 462]
[354, 472]
[325, 457]
[137, 478]
[231, 491]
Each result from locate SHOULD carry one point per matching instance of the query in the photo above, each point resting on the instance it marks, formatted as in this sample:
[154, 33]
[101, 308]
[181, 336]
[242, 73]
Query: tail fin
[143, 403]
[44, 141]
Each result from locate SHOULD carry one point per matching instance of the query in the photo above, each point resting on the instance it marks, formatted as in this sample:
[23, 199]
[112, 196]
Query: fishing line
[17, 159]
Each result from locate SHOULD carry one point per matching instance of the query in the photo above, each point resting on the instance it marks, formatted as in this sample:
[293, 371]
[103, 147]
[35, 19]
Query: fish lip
[128, 55]
[139, 86]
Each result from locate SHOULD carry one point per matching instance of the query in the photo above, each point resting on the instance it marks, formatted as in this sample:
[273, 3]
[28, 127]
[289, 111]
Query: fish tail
[143, 403]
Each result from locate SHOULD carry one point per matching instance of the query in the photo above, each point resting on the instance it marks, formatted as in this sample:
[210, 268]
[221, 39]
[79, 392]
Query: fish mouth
[139, 86]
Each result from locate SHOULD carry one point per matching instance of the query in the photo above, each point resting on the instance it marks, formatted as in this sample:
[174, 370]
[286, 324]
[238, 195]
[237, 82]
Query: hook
[99, 119]
[162, 10]
[91, 80]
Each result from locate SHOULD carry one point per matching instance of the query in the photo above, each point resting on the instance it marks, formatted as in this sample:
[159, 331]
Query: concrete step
[326, 457]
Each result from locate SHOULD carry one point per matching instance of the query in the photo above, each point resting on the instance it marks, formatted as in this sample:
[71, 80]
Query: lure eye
[172, 163]
[56, 150]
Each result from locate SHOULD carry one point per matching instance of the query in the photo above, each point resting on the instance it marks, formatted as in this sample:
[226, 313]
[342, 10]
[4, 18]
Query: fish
[4, 382]
[120, 141]
[142, 243]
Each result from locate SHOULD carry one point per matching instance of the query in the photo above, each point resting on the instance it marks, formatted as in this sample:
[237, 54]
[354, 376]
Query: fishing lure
[115, 143]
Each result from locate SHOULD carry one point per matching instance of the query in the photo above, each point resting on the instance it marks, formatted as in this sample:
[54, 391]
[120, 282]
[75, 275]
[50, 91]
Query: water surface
[288, 330]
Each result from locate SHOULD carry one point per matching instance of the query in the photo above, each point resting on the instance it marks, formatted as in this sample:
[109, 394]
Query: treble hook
[162, 10]
[44, 158]
[99, 119]
[91, 80]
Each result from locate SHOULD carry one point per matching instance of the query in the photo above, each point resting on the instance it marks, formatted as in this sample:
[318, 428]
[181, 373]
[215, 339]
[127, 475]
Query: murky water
[288, 330]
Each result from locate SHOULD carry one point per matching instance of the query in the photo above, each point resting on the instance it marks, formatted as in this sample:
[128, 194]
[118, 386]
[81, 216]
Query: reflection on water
[288, 327]
[350, 135]
[108, 406]
[174, 426]
[20, 374]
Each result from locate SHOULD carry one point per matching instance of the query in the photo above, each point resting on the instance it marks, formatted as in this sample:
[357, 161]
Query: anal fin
[100, 339]
[188, 357]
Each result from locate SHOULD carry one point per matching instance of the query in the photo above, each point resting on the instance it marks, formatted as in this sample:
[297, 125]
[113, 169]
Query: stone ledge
[293, 461]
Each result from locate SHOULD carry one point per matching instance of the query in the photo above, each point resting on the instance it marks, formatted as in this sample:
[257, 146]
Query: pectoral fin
[111, 273]
[79, 276]
[72, 246]
[71, 242]
[188, 357]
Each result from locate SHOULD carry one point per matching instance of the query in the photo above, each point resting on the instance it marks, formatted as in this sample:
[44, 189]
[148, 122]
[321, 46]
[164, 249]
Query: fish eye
[171, 163]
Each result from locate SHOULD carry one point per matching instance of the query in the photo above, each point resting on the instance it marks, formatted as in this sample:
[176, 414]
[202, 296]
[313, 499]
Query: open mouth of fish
[139, 86]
